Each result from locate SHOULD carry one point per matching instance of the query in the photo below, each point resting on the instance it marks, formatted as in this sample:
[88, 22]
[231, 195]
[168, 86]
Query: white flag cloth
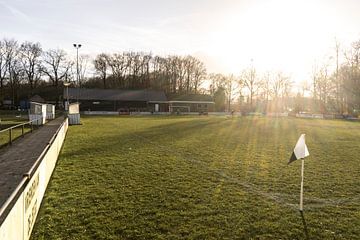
[300, 150]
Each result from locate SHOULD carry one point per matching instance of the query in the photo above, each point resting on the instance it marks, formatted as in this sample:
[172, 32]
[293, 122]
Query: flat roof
[203, 102]
[94, 94]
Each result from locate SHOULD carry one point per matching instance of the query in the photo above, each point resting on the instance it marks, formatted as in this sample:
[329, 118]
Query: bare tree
[252, 82]
[146, 59]
[305, 87]
[217, 80]
[189, 65]
[277, 84]
[230, 88]
[266, 88]
[286, 90]
[3, 65]
[351, 78]
[228, 85]
[199, 74]
[119, 65]
[83, 68]
[325, 88]
[101, 67]
[16, 77]
[55, 65]
[12, 71]
[30, 54]
[11, 54]
[339, 106]
[160, 79]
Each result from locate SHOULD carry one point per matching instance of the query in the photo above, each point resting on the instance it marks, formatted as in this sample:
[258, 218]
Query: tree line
[334, 87]
[27, 65]
[138, 70]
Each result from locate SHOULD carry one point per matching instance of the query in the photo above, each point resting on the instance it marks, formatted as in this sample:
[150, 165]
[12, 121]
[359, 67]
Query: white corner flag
[300, 152]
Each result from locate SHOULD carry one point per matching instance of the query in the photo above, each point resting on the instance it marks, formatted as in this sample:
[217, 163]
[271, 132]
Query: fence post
[22, 130]
[31, 125]
[10, 137]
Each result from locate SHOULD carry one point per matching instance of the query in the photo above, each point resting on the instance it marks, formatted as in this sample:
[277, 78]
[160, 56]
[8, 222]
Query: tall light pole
[252, 79]
[77, 46]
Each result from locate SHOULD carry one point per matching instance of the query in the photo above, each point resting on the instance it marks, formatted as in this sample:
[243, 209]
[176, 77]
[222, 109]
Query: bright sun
[284, 35]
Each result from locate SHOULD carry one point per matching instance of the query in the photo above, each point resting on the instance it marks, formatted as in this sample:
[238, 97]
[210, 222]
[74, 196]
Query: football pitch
[203, 178]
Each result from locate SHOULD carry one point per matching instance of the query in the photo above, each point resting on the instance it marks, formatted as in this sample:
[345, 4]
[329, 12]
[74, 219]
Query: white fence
[238, 114]
[309, 115]
[20, 219]
[271, 114]
[158, 113]
[101, 113]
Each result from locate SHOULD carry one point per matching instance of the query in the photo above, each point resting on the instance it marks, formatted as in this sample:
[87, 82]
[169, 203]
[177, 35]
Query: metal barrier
[22, 126]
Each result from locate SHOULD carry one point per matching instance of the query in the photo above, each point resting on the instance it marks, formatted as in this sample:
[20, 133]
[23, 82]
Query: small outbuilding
[37, 113]
[74, 114]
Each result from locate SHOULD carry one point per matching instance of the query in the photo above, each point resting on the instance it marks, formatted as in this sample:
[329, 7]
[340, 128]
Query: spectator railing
[10, 131]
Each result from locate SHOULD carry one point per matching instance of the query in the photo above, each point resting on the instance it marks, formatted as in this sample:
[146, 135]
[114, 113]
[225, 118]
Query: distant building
[37, 98]
[6, 104]
[115, 100]
[191, 103]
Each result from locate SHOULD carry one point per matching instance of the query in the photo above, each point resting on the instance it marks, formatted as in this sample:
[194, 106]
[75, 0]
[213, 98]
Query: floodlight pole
[67, 96]
[302, 185]
[77, 46]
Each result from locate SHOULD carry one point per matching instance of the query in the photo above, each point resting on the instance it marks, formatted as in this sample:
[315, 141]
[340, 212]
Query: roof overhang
[201, 102]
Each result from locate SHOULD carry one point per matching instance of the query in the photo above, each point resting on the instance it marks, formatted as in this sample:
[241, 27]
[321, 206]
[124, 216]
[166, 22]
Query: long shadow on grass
[178, 130]
[159, 136]
[305, 225]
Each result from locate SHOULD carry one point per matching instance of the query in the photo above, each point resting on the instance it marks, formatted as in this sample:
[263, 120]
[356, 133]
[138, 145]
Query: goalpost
[179, 108]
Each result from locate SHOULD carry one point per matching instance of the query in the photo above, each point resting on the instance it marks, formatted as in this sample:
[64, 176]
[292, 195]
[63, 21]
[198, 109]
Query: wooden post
[10, 137]
[302, 185]
[22, 130]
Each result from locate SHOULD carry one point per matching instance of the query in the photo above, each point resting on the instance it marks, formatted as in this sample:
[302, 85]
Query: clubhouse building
[145, 100]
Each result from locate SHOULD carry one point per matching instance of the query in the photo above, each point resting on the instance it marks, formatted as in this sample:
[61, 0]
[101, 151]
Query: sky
[228, 35]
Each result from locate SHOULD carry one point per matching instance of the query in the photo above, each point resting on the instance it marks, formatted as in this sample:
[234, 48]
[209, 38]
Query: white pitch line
[252, 188]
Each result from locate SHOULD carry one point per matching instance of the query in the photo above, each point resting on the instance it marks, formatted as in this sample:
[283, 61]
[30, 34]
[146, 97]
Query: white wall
[19, 222]
[50, 111]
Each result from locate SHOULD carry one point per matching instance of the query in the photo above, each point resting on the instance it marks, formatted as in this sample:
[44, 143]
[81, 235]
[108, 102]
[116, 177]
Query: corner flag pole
[302, 184]
[300, 152]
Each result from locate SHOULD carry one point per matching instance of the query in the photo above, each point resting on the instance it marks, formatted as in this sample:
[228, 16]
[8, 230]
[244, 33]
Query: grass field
[203, 178]
[7, 121]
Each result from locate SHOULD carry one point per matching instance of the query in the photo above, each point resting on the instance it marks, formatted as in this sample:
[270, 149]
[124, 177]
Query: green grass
[7, 122]
[203, 178]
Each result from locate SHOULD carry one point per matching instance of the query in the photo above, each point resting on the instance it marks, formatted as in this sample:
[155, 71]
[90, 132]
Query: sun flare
[275, 35]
